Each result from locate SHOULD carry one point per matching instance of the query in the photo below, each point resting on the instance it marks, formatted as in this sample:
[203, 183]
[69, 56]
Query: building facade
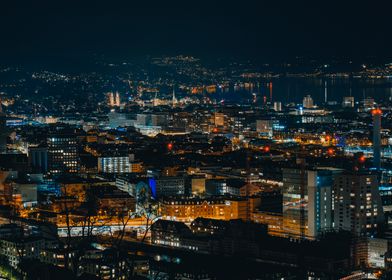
[63, 156]
[357, 204]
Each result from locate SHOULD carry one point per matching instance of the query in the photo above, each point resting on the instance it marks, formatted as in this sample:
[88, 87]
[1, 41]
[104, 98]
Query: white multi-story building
[114, 164]
[307, 202]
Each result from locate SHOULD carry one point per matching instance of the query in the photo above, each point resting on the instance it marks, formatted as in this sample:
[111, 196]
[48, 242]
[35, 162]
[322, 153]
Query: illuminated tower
[114, 99]
[111, 99]
[376, 113]
[155, 100]
[118, 101]
[174, 99]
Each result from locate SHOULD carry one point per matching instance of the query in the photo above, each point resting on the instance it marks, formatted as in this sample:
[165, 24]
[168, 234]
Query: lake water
[289, 90]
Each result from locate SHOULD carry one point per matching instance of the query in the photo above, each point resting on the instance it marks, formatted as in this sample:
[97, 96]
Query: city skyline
[180, 140]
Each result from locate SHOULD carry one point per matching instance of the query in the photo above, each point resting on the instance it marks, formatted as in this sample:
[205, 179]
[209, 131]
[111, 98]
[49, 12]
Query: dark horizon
[263, 31]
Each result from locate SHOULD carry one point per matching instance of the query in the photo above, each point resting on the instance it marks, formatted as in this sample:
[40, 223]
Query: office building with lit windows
[357, 203]
[168, 186]
[114, 164]
[221, 208]
[63, 156]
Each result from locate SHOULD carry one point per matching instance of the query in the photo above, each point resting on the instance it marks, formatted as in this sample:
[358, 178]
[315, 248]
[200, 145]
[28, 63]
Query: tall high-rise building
[357, 204]
[307, 201]
[63, 154]
[308, 102]
[294, 203]
[3, 130]
[38, 159]
[376, 113]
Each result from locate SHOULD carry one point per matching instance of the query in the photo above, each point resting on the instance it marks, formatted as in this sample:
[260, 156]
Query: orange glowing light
[376, 112]
[215, 130]
[267, 149]
[328, 138]
[330, 151]
[362, 159]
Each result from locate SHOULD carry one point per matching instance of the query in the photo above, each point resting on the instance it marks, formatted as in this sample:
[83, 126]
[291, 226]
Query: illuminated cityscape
[194, 140]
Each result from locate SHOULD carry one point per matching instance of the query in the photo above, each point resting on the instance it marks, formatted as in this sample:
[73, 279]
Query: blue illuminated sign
[153, 187]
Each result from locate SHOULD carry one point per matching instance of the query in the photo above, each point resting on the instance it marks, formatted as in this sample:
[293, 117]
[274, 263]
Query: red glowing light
[330, 151]
[215, 130]
[267, 149]
[362, 159]
[170, 146]
[328, 138]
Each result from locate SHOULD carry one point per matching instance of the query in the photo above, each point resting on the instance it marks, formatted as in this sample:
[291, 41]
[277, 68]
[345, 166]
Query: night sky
[253, 29]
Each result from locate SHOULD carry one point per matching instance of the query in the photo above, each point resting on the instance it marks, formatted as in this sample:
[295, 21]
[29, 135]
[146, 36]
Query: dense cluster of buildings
[300, 186]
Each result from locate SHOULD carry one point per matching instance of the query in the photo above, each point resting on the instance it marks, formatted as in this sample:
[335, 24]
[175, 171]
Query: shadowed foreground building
[38, 159]
[239, 239]
[3, 130]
